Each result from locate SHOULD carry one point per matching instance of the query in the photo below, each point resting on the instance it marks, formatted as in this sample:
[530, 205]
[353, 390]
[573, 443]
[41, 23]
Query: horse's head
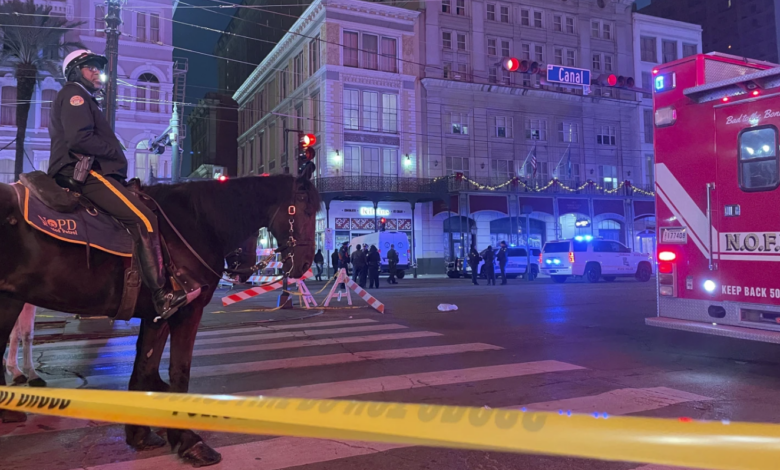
[293, 227]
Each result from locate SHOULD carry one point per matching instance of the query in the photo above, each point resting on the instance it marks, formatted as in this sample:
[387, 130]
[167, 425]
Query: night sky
[202, 75]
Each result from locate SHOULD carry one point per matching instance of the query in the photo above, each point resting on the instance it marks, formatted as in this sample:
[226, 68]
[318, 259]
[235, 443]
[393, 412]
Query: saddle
[55, 207]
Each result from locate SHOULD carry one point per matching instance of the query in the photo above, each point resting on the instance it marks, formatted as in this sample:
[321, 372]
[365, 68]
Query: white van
[382, 241]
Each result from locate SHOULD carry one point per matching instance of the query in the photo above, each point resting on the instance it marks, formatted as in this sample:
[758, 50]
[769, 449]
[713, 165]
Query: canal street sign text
[568, 75]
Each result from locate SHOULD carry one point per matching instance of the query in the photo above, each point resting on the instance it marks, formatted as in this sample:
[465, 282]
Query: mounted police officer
[84, 148]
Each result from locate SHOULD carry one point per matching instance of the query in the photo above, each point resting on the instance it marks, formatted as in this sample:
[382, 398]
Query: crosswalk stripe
[202, 334]
[38, 423]
[118, 359]
[621, 401]
[410, 381]
[109, 380]
[253, 337]
[302, 451]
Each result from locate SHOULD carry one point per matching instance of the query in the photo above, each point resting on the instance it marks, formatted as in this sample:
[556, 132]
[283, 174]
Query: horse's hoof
[10, 416]
[148, 442]
[20, 380]
[37, 382]
[201, 455]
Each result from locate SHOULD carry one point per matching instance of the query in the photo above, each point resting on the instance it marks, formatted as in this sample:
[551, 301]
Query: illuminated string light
[552, 182]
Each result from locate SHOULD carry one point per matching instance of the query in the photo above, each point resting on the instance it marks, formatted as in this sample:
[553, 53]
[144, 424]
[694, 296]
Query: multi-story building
[656, 40]
[213, 130]
[741, 28]
[146, 76]
[359, 99]
[566, 157]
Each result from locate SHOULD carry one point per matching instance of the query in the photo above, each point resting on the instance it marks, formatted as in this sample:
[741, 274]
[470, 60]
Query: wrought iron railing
[387, 184]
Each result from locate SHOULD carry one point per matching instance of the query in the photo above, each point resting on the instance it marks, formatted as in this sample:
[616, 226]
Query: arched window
[47, 98]
[148, 93]
[146, 163]
[8, 106]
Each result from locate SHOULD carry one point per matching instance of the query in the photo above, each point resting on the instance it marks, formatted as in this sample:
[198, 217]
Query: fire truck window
[758, 159]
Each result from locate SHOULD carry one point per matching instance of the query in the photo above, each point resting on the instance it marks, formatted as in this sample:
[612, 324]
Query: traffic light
[306, 153]
[616, 81]
[382, 223]
[512, 64]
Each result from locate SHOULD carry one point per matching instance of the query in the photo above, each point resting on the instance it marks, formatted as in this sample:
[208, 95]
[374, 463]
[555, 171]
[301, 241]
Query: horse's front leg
[9, 312]
[184, 328]
[25, 325]
[12, 359]
[146, 377]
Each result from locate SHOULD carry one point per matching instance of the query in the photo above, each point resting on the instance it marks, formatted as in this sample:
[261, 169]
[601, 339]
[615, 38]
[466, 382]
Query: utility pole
[113, 20]
[174, 135]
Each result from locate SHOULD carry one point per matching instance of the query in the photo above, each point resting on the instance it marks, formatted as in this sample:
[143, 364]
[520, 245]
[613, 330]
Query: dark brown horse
[214, 218]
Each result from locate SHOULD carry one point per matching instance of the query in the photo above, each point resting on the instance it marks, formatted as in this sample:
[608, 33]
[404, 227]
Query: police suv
[593, 259]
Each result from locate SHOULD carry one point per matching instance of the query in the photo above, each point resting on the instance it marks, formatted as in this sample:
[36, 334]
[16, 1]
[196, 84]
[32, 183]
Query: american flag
[533, 159]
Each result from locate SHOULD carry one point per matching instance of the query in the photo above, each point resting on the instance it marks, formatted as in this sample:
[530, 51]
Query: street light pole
[174, 135]
[113, 20]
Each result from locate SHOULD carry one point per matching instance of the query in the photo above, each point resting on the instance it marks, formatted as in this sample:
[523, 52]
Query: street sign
[568, 75]
[328, 239]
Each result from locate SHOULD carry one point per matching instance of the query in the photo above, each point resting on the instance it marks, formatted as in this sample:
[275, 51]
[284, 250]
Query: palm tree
[32, 43]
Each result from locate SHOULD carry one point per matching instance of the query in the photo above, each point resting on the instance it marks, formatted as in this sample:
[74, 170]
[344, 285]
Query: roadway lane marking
[131, 339]
[129, 358]
[39, 423]
[242, 338]
[265, 455]
[109, 380]
[409, 381]
[620, 402]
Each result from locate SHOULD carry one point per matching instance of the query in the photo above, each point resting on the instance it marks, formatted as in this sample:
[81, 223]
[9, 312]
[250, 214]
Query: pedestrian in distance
[490, 269]
[392, 265]
[344, 261]
[364, 271]
[319, 261]
[358, 265]
[334, 261]
[502, 258]
[474, 260]
[374, 260]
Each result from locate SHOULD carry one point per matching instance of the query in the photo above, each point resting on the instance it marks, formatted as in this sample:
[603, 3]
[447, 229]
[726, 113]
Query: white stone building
[146, 74]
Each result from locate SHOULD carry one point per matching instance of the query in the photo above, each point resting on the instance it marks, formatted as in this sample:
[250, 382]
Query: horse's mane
[216, 203]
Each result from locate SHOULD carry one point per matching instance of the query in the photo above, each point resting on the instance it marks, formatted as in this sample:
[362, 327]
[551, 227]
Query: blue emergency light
[665, 82]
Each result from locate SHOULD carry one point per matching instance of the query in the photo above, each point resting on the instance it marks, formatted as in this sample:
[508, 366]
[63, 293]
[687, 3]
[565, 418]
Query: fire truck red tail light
[725, 99]
[540, 259]
[571, 257]
[665, 268]
[667, 256]
[755, 93]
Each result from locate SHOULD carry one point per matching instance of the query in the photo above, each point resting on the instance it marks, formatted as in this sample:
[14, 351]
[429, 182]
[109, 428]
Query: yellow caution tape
[683, 442]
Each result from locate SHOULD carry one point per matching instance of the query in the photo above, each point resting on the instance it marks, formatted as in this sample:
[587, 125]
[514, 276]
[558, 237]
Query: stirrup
[172, 307]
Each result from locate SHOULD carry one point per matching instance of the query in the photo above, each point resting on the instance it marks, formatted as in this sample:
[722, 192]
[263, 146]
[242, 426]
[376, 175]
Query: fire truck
[717, 132]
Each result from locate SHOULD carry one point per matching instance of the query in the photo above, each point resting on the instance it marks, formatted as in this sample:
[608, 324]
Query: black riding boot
[150, 260]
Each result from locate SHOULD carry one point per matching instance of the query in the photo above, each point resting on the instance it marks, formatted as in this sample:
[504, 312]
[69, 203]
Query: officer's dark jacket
[76, 124]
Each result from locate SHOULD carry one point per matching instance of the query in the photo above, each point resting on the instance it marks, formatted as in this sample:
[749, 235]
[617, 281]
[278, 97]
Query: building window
[8, 105]
[502, 169]
[370, 161]
[596, 62]
[558, 56]
[491, 11]
[460, 123]
[314, 55]
[148, 93]
[457, 165]
[389, 162]
[646, 84]
[298, 70]
[525, 50]
[606, 31]
[504, 14]
[649, 171]
[351, 160]
[447, 69]
[595, 29]
[370, 45]
[491, 47]
[758, 159]
[536, 129]
[505, 52]
[140, 27]
[370, 111]
[571, 59]
[461, 42]
[669, 50]
[504, 127]
[460, 7]
[446, 6]
[6, 170]
[100, 21]
[493, 75]
[388, 62]
[608, 174]
[43, 165]
[282, 80]
[557, 23]
[648, 49]
[539, 53]
[299, 117]
[567, 132]
[606, 135]
[351, 109]
[446, 40]
[260, 104]
[350, 49]
[570, 25]
[525, 17]
[315, 113]
[47, 98]
[607, 63]
[538, 19]
[648, 118]
[390, 113]
[154, 28]
[689, 50]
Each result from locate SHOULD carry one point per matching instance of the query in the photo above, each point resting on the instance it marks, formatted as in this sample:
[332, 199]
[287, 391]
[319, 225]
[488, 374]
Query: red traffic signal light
[618, 81]
[382, 220]
[511, 64]
[307, 140]
[612, 80]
